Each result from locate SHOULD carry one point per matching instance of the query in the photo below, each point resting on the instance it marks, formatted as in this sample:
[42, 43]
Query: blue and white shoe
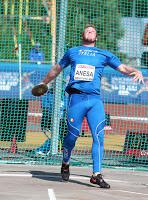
[40, 153]
[44, 149]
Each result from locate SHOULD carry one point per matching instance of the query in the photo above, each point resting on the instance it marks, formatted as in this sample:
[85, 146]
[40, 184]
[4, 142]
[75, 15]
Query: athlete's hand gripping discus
[39, 89]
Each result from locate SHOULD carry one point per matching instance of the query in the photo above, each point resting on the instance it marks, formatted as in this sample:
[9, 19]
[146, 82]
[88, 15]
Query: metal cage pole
[58, 86]
[20, 48]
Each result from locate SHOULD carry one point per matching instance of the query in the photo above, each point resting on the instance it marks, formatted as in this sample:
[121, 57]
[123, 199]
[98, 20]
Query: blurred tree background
[106, 15]
[136, 8]
[36, 28]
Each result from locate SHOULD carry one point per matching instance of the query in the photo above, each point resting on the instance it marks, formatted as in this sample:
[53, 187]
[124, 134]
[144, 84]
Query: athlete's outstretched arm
[53, 73]
[130, 71]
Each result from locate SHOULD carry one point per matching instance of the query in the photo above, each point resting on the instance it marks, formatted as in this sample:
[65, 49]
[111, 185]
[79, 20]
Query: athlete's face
[89, 35]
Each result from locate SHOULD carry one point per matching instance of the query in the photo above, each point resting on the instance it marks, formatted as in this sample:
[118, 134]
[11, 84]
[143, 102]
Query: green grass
[34, 139]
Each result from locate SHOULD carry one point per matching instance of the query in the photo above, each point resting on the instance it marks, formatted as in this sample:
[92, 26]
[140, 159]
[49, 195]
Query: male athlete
[87, 65]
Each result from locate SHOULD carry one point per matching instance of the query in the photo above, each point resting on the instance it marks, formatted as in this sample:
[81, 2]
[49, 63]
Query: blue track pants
[91, 107]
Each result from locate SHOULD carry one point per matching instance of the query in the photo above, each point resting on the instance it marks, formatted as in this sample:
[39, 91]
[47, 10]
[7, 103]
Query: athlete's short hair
[90, 25]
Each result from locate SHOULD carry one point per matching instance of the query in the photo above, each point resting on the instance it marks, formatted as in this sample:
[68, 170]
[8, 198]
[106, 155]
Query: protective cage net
[34, 35]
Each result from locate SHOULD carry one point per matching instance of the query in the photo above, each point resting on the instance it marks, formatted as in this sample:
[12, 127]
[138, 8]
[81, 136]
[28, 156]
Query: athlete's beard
[88, 41]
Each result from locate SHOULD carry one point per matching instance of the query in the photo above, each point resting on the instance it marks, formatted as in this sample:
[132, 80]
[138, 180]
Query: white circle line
[72, 177]
[125, 191]
[16, 175]
[51, 194]
[140, 175]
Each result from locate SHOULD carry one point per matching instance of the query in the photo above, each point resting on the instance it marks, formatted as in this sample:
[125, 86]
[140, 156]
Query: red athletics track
[123, 116]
